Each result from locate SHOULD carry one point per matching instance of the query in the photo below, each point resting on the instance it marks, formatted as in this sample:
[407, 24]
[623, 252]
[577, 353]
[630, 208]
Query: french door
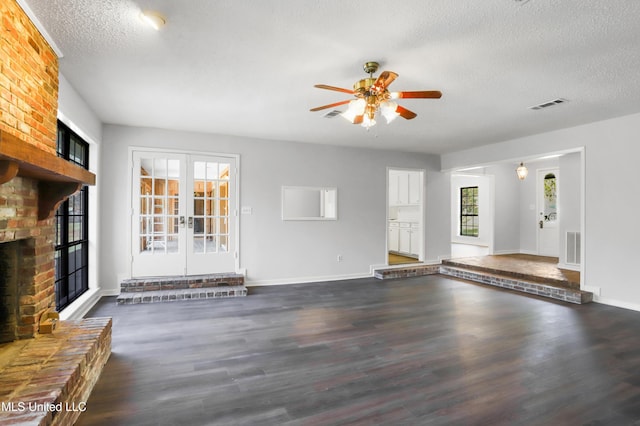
[184, 214]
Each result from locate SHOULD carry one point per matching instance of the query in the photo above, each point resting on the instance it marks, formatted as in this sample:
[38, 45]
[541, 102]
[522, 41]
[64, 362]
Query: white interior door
[548, 230]
[183, 214]
[158, 243]
[211, 215]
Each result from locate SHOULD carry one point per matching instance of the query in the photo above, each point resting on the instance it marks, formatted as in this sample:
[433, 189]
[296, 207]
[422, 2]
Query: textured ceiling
[247, 67]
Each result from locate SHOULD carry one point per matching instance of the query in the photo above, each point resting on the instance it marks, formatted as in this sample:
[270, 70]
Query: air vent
[332, 114]
[549, 104]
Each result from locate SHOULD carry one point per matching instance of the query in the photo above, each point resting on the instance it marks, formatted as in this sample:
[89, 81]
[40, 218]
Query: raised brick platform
[554, 289]
[170, 289]
[47, 380]
[557, 292]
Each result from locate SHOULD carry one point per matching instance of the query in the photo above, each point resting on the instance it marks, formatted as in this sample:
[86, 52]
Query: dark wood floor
[425, 350]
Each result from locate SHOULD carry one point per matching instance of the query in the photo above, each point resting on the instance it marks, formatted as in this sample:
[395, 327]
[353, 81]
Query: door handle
[190, 222]
[181, 221]
[541, 223]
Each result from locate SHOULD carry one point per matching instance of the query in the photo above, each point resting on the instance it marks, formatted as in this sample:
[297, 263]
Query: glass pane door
[159, 205]
[212, 219]
[158, 219]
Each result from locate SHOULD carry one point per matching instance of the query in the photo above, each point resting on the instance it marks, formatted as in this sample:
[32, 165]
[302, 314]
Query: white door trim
[421, 213]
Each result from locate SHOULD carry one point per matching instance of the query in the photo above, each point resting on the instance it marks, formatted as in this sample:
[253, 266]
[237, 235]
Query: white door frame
[234, 206]
[421, 213]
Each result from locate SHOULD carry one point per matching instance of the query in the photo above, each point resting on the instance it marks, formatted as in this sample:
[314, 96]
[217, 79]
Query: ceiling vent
[332, 114]
[549, 103]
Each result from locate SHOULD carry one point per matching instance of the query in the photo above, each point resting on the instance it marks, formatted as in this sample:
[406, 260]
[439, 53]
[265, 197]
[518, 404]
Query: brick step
[406, 272]
[509, 282]
[516, 275]
[136, 285]
[172, 295]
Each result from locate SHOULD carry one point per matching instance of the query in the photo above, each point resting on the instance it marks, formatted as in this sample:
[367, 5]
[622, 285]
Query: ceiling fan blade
[385, 79]
[405, 113]
[336, 89]
[431, 94]
[330, 105]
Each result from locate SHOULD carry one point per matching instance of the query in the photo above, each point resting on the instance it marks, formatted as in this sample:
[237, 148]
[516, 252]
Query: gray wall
[507, 204]
[569, 202]
[611, 150]
[271, 250]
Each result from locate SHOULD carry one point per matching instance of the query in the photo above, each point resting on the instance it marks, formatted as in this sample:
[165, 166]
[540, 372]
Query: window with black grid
[469, 221]
[71, 226]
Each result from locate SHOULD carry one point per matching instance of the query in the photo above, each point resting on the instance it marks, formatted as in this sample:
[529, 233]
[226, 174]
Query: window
[550, 198]
[71, 227]
[469, 211]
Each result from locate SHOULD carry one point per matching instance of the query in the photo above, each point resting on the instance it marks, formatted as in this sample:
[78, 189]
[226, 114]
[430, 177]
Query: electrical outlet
[339, 258]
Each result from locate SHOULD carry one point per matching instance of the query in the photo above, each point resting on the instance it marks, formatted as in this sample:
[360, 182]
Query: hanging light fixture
[522, 171]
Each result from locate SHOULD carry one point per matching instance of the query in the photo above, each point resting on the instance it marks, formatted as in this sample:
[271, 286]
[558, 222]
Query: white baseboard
[502, 252]
[531, 252]
[591, 289]
[617, 303]
[569, 267]
[304, 280]
[111, 292]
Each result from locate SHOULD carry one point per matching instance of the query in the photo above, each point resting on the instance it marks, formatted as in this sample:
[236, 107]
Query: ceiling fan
[372, 94]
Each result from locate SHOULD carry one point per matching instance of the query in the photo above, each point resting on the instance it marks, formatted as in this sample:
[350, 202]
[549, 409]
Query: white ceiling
[247, 67]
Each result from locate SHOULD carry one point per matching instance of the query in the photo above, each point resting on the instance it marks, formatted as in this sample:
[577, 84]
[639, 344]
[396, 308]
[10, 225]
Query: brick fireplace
[43, 369]
[33, 180]
[26, 250]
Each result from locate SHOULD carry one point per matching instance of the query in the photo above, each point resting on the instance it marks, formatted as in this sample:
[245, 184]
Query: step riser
[557, 293]
[129, 298]
[515, 275]
[419, 271]
[136, 285]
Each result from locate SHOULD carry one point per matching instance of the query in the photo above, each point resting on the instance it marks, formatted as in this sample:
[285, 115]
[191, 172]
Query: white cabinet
[394, 237]
[405, 188]
[404, 238]
[394, 186]
[415, 239]
[414, 193]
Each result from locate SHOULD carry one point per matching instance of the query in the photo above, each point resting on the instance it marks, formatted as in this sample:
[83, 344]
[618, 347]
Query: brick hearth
[48, 379]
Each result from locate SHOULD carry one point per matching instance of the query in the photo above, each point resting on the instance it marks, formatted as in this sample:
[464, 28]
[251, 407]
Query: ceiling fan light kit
[372, 95]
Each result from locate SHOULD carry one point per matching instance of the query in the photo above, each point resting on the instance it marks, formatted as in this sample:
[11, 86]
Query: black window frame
[469, 218]
[72, 254]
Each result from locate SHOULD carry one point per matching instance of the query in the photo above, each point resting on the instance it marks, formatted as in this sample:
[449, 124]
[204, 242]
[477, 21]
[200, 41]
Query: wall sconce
[522, 171]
